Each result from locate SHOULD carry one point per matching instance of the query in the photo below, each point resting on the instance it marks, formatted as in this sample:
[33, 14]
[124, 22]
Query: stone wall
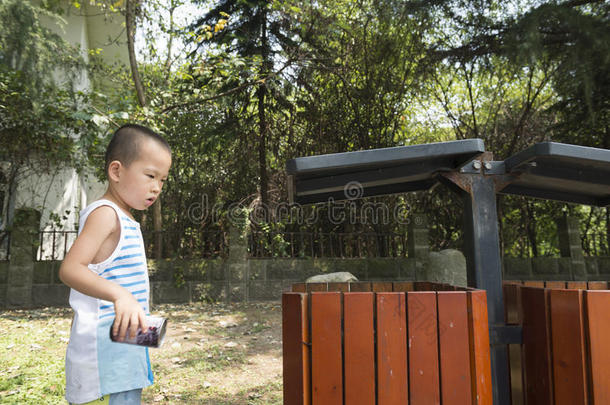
[557, 268]
[258, 279]
[179, 281]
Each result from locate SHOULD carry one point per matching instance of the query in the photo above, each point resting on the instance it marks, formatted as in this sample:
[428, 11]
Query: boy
[106, 270]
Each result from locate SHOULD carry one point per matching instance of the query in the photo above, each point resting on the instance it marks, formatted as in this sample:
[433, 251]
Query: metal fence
[54, 244]
[326, 244]
[186, 244]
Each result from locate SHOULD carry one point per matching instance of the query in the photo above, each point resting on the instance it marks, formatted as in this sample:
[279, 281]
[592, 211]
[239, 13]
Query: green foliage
[240, 87]
[58, 124]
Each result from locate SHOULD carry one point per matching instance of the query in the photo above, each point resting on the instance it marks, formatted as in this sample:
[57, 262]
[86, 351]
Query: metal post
[482, 248]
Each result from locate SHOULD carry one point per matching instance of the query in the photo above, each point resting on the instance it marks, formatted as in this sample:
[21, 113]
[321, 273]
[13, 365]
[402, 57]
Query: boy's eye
[151, 176]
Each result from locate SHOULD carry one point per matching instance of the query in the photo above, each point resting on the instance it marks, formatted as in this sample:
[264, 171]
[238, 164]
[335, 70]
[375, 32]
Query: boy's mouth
[150, 201]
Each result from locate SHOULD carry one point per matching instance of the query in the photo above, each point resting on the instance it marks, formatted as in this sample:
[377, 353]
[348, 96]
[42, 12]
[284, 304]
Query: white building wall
[60, 193]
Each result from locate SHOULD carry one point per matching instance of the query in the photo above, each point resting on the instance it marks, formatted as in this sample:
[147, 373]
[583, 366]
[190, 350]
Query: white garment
[95, 365]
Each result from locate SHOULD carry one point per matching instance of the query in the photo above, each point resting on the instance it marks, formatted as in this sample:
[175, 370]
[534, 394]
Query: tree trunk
[531, 228]
[130, 24]
[262, 119]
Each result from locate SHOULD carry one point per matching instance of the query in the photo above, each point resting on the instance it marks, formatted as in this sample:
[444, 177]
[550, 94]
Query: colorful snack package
[153, 337]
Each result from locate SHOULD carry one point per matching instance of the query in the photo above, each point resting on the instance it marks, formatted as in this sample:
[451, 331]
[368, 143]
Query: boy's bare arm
[101, 224]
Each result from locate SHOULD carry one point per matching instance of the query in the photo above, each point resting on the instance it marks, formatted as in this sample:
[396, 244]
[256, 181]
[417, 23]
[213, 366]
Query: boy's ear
[114, 169]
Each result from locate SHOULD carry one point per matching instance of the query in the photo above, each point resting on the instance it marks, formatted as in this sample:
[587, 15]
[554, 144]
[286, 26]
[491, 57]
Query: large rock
[447, 266]
[339, 277]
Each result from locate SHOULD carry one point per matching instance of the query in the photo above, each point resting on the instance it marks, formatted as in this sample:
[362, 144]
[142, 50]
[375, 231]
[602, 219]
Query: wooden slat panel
[581, 285]
[536, 345]
[597, 285]
[338, 287]
[479, 347]
[295, 351]
[392, 379]
[381, 286]
[569, 367]
[299, 287]
[555, 284]
[454, 348]
[402, 286]
[512, 315]
[326, 356]
[423, 286]
[511, 303]
[534, 283]
[598, 303]
[423, 348]
[359, 347]
[317, 287]
[360, 286]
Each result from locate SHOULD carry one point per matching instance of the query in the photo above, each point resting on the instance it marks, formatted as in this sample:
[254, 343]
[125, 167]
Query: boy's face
[140, 183]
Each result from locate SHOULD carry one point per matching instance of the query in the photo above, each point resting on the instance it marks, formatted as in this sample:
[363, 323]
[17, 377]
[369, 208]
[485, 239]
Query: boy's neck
[112, 196]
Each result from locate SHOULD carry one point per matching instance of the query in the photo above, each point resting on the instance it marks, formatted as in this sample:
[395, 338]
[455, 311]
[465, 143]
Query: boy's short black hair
[124, 143]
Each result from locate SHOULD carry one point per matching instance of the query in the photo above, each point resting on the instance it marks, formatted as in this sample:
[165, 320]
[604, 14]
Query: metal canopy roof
[548, 170]
[563, 172]
[378, 171]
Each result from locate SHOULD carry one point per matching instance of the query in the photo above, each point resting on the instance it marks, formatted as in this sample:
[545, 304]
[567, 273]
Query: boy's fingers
[123, 328]
[133, 325]
[115, 325]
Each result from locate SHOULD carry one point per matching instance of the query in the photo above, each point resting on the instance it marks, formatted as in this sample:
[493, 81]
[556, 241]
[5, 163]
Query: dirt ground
[219, 354]
[213, 354]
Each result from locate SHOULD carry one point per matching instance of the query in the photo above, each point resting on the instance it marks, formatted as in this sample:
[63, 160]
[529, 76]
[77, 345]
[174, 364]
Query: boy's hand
[129, 314]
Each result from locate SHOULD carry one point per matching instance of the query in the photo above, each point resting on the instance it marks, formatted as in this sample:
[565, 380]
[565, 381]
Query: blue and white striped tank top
[96, 366]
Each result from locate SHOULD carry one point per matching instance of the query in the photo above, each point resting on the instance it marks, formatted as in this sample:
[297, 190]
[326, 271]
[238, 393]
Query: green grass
[32, 351]
[195, 365]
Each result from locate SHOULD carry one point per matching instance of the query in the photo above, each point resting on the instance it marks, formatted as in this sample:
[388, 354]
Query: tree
[257, 33]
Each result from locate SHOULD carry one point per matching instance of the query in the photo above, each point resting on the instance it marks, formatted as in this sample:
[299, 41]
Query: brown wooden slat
[598, 303]
[454, 349]
[402, 286]
[534, 283]
[597, 285]
[299, 287]
[555, 284]
[295, 351]
[512, 315]
[423, 286]
[537, 360]
[479, 347]
[317, 287]
[381, 286]
[568, 342]
[580, 285]
[326, 356]
[360, 286]
[392, 379]
[511, 303]
[359, 347]
[338, 287]
[423, 348]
